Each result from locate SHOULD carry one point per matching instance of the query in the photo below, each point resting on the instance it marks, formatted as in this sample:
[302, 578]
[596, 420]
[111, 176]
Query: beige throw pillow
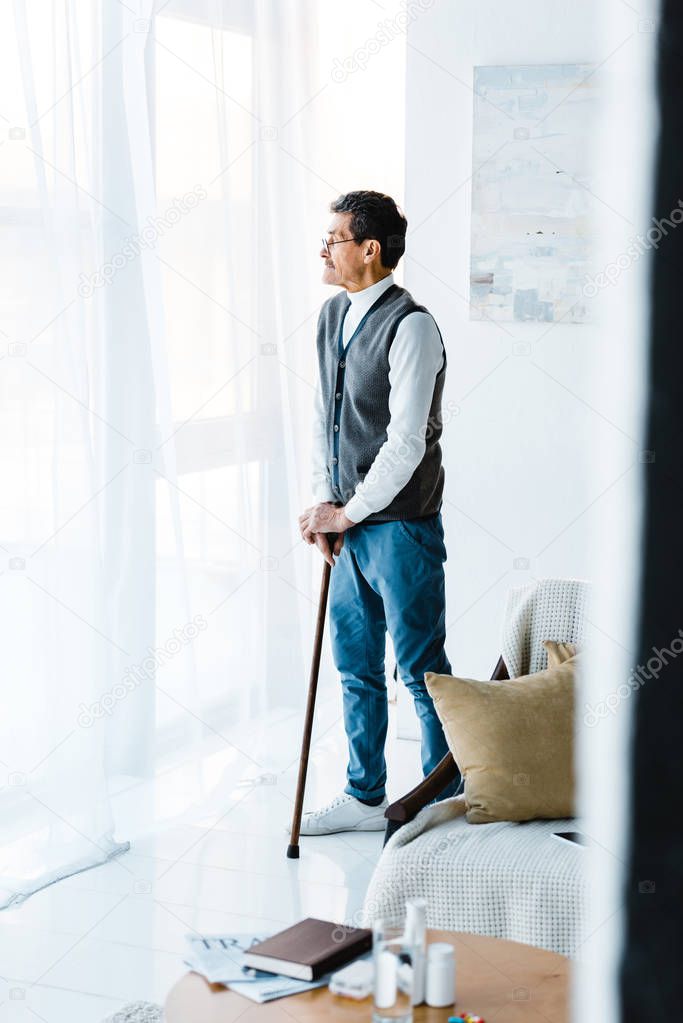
[513, 741]
[558, 653]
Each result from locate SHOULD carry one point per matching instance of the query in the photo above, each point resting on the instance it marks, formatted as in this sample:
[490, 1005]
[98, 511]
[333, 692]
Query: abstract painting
[531, 194]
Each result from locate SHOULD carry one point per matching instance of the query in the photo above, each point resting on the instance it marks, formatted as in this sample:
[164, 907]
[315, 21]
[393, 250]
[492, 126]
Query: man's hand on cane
[318, 522]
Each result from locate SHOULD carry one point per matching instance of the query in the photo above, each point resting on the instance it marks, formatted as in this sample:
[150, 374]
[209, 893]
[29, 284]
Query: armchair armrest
[404, 809]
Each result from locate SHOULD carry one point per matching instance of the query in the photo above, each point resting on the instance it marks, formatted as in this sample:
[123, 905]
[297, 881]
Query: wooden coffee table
[501, 981]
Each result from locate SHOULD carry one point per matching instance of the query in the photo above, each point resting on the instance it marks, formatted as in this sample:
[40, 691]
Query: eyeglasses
[327, 245]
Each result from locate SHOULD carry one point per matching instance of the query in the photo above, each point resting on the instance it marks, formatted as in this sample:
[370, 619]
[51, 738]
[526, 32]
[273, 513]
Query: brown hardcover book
[309, 949]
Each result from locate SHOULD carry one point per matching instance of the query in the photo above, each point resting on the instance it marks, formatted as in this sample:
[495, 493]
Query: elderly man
[378, 481]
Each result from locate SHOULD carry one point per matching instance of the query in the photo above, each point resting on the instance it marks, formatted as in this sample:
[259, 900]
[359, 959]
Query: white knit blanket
[546, 609]
[505, 880]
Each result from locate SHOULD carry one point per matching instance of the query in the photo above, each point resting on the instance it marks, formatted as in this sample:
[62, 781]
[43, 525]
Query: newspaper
[220, 958]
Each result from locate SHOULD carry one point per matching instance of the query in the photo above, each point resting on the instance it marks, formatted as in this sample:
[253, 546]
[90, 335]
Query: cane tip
[292, 852]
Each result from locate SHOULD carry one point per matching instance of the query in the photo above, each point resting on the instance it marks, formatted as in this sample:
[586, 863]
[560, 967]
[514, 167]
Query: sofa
[507, 879]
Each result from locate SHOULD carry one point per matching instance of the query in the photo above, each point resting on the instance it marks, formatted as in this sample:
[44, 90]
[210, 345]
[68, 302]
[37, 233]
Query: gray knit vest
[355, 393]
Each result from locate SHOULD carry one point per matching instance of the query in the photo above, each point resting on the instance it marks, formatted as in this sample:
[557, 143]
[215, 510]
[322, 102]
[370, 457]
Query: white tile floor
[208, 855]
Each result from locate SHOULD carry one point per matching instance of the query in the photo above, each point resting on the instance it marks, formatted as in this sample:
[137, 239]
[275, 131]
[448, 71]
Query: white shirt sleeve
[415, 358]
[321, 483]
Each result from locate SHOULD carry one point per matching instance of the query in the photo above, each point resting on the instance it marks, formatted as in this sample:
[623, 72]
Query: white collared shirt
[415, 358]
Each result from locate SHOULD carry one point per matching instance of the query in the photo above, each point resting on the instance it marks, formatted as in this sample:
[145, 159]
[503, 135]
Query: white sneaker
[344, 813]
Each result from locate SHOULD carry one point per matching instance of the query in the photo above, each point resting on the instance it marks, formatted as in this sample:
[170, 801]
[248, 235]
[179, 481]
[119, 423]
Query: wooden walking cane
[293, 847]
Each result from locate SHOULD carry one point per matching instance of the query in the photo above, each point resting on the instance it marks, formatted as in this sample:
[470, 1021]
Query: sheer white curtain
[56, 638]
[166, 170]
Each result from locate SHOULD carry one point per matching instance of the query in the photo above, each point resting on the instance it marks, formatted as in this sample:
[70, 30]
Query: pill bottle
[440, 981]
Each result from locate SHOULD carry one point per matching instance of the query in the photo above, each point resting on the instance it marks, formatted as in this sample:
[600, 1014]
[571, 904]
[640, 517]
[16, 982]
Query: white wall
[519, 479]
[544, 460]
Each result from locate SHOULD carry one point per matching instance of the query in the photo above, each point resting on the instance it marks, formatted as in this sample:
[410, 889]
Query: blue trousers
[388, 576]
